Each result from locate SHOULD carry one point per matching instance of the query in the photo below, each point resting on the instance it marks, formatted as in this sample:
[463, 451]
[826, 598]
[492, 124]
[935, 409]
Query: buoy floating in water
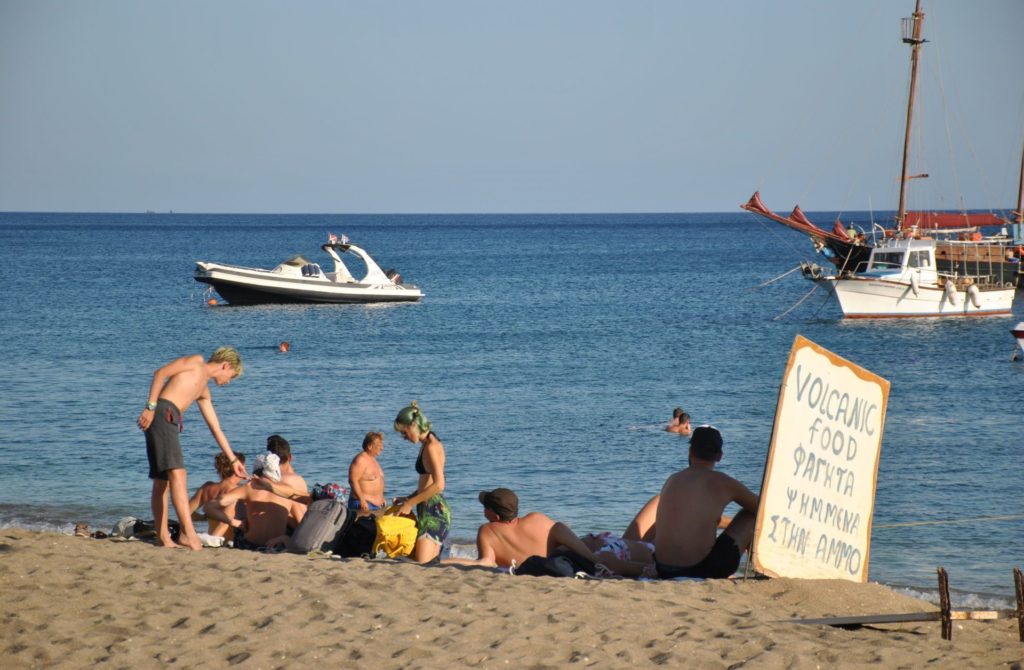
[211, 302]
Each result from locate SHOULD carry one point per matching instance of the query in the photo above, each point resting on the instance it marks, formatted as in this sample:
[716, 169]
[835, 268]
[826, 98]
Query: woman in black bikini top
[419, 459]
[433, 516]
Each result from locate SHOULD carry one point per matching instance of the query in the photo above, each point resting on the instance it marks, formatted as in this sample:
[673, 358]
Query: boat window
[920, 259]
[887, 260]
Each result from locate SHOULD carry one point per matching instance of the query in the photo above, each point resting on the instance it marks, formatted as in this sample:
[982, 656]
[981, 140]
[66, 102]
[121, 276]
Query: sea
[549, 351]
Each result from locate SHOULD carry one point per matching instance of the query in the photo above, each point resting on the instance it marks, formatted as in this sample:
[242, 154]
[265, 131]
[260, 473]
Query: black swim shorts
[163, 448]
[721, 562]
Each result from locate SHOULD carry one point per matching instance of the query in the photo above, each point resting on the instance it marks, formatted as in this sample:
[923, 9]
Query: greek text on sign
[818, 494]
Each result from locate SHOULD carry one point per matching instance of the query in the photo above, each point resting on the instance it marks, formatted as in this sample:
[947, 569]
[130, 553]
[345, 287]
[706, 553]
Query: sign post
[818, 493]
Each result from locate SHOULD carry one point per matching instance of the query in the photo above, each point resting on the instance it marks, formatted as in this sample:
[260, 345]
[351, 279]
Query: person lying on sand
[690, 511]
[506, 537]
[608, 547]
[229, 481]
[643, 528]
[268, 516]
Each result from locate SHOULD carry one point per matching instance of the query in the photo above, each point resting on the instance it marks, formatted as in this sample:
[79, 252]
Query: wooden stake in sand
[945, 614]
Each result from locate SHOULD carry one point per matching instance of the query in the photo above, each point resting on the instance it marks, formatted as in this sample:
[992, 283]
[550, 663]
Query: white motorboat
[299, 280]
[901, 280]
[1018, 332]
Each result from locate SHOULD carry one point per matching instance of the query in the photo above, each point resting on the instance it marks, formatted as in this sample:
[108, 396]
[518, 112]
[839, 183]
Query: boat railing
[982, 281]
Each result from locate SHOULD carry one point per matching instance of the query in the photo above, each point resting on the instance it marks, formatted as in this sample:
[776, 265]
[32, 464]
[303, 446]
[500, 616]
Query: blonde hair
[230, 356]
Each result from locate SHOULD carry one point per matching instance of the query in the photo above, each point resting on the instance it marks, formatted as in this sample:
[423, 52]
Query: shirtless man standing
[366, 477]
[174, 388]
[507, 537]
[690, 510]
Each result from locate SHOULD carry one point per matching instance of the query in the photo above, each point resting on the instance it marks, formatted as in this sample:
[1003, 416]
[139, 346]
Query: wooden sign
[818, 493]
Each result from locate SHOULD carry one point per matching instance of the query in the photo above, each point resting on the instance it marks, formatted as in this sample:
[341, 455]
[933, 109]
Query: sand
[81, 602]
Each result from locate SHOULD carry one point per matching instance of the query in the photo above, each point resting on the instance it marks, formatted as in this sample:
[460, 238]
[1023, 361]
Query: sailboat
[900, 279]
[960, 246]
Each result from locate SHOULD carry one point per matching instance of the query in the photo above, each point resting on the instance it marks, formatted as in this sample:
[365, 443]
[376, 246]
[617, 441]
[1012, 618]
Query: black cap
[502, 502]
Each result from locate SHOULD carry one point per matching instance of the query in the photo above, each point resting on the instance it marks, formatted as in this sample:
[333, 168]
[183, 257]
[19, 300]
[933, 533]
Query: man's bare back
[689, 511]
[516, 540]
[691, 505]
[267, 514]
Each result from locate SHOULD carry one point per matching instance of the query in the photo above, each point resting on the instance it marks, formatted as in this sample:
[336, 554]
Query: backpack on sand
[358, 537]
[321, 527]
[396, 535]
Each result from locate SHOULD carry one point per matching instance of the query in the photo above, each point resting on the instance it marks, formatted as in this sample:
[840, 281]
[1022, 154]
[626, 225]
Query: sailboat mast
[912, 36]
[1019, 214]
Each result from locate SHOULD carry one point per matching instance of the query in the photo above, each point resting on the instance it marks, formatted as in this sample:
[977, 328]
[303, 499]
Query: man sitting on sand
[680, 422]
[174, 388]
[508, 538]
[366, 477]
[267, 516]
[279, 446]
[229, 481]
[690, 510]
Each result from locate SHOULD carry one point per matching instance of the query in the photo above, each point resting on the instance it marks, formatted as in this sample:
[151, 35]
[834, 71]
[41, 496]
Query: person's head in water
[412, 423]
[223, 464]
[706, 444]
[278, 445]
[284, 346]
[677, 412]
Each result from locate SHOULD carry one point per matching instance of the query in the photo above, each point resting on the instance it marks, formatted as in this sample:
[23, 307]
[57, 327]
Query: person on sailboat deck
[433, 516]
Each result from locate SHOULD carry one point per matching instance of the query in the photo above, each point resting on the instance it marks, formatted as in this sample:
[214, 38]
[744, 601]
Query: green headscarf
[412, 415]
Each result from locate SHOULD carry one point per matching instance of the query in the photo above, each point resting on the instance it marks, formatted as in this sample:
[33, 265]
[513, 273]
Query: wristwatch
[151, 406]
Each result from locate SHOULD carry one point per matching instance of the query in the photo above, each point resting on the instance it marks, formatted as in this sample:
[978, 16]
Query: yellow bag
[396, 535]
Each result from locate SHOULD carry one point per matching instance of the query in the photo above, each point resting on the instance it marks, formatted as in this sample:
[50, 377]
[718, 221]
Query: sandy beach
[81, 602]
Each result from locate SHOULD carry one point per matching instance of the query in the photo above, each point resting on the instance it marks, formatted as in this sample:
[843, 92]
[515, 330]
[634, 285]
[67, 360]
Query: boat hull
[870, 298]
[242, 286]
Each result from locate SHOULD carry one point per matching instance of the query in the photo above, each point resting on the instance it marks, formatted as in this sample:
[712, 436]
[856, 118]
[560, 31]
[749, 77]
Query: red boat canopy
[951, 220]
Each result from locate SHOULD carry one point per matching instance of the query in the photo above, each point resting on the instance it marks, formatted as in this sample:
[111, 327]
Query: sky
[498, 107]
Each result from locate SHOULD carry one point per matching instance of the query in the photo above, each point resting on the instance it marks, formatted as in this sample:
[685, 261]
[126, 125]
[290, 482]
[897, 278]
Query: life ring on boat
[915, 282]
[975, 295]
[950, 292]
[1020, 251]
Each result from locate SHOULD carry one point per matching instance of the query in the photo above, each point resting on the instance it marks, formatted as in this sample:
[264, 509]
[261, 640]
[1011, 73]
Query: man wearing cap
[690, 510]
[507, 537]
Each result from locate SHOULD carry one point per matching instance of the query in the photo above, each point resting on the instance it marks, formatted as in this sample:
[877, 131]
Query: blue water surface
[549, 352]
